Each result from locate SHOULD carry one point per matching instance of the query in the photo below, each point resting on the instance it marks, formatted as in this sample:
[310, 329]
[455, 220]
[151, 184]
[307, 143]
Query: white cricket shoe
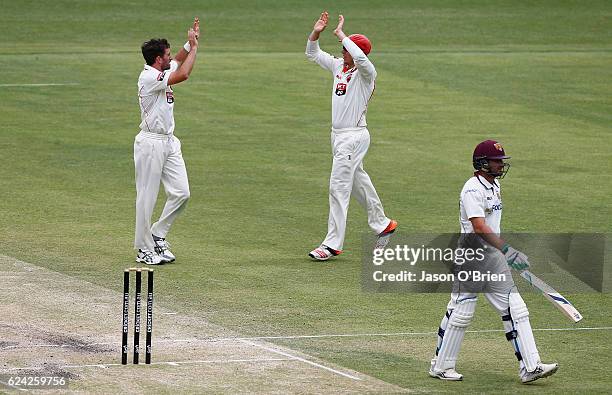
[447, 374]
[149, 258]
[162, 248]
[323, 253]
[543, 370]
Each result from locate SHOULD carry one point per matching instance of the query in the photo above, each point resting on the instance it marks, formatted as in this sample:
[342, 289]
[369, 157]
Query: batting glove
[516, 259]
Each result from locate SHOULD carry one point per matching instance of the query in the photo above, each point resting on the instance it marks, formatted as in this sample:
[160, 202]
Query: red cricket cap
[362, 42]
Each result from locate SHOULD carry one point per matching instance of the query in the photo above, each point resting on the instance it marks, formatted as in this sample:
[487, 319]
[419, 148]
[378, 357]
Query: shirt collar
[485, 182]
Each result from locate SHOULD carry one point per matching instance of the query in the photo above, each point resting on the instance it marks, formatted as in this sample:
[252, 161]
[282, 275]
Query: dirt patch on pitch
[53, 324]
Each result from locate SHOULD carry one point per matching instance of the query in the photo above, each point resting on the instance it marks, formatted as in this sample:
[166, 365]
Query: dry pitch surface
[53, 324]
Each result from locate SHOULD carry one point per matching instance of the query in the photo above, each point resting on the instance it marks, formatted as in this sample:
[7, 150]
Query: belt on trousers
[349, 130]
[157, 136]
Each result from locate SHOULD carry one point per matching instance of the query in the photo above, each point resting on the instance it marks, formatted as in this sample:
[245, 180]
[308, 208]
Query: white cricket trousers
[504, 297]
[158, 158]
[349, 147]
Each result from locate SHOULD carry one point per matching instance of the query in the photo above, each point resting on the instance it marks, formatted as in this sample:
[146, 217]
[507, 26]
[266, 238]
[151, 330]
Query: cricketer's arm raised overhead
[157, 152]
[353, 85]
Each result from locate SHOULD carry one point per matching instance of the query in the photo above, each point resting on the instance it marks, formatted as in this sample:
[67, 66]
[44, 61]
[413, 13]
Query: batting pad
[452, 331]
[524, 342]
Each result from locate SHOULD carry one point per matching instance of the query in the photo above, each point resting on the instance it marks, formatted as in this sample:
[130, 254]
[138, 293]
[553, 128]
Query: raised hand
[193, 38]
[338, 30]
[321, 24]
[196, 27]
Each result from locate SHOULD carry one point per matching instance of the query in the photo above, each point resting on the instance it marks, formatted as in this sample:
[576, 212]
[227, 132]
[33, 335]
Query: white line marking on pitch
[170, 363]
[36, 85]
[213, 339]
[221, 339]
[406, 333]
[318, 365]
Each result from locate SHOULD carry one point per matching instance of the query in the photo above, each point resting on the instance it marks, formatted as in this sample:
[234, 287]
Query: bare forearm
[184, 70]
[181, 55]
[187, 55]
[188, 63]
[314, 36]
[489, 236]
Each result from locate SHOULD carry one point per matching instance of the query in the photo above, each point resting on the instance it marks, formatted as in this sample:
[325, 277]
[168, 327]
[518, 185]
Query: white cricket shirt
[352, 88]
[156, 100]
[479, 198]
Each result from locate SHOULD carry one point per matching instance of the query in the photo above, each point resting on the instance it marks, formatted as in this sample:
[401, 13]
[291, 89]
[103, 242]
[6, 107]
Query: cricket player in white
[157, 152]
[354, 80]
[480, 214]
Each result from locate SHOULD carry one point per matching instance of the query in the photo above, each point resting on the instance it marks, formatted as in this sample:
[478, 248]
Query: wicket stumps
[137, 313]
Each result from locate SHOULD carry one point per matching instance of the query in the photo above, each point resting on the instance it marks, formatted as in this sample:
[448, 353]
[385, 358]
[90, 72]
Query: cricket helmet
[486, 151]
[362, 42]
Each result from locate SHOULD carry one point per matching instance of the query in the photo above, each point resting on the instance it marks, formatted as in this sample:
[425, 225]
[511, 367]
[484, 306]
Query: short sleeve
[156, 80]
[473, 203]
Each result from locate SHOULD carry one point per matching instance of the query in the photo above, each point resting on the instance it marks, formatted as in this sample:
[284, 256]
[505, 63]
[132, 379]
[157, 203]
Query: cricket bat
[553, 296]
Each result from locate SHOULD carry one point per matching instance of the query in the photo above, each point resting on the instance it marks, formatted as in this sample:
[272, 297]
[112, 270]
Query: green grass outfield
[254, 123]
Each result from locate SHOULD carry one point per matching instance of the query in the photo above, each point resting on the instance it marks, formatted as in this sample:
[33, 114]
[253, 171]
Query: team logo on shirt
[340, 89]
[495, 207]
[170, 97]
[161, 76]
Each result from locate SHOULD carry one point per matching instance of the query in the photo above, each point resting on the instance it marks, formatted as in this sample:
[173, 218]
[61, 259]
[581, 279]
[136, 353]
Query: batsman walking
[480, 211]
[354, 82]
[157, 152]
